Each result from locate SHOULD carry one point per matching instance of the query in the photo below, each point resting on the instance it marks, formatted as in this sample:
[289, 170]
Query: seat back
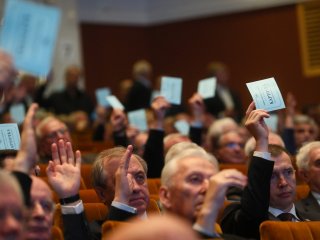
[153, 207]
[56, 233]
[86, 174]
[89, 196]
[154, 185]
[109, 227]
[275, 230]
[302, 191]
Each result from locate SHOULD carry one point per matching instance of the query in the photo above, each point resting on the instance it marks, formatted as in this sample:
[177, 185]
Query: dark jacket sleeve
[288, 138]
[120, 139]
[244, 219]
[75, 226]
[116, 214]
[25, 183]
[153, 153]
[98, 133]
[195, 135]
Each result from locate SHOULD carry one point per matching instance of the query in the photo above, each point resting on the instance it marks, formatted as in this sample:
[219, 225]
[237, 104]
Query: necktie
[286, 216]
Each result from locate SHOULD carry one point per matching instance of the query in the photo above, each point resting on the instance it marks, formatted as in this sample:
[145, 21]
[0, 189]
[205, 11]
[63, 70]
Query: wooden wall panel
[255, 45]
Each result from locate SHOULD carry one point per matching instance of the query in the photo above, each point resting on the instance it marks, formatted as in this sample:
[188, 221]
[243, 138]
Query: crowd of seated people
[222, 180]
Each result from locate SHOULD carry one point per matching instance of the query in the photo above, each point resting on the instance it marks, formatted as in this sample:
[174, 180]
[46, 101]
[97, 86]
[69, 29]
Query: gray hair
[7, 180]
[181, 147]
[303, 155]
[171, 166]
[99, 174]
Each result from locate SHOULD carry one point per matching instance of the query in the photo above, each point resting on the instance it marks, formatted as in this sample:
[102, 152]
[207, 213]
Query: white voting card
[9, 136]
[29, 34]
[138, 119]
[18, 112]
[114, 102]
[266, 94]
[171, 89]
[182, 126]
[272, 122]
[101, 96]
[207, 87]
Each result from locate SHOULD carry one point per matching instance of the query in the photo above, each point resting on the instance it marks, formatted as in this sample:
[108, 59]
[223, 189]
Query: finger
[126, 157]
[50, 168]
[78, 159]
[30, 115]
[55, 153]
[70, 156]
[62, 151]
[250, 108]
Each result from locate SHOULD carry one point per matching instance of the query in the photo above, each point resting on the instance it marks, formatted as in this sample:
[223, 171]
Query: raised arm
[215, 196]
[27, 154]
[26, 157]
[64, 171]
[197, 108]
[119, 124]
[245, 219]
[154, 149]
[64, 176]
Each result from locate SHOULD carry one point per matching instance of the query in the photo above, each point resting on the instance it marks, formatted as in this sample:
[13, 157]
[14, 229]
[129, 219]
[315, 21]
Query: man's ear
[101, 193]
[165, 197]
[304, 175]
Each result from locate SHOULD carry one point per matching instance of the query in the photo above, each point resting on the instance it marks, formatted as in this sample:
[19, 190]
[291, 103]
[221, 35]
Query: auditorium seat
[276, 230]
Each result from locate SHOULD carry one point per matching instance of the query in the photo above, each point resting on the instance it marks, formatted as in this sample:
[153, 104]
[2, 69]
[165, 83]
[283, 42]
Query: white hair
[171, 165]
[303, 155]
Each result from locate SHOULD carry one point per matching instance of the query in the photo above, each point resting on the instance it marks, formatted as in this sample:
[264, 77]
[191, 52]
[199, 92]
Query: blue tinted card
[272, 122]
[18, 112]
[101, 96]
[9, 137]
[207, 87]
[114, 102]
[29, 34]
[266, 94]
[171, 89]
[182, 126]
[138, 119]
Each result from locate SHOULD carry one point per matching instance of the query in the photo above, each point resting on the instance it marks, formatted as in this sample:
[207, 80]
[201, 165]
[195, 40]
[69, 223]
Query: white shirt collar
[276, 212]
[316, 196]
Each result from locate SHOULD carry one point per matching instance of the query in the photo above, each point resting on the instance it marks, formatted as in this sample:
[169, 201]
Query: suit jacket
[244, 218]
[309, 208]
[139, 96]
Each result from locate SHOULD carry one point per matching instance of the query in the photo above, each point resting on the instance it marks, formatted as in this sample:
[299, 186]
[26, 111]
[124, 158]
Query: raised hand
[197, 107]
[64, 171]
[159, 107]
[27, 154]
[215, 196]
[118, 120]
[123, 188]
[257, 127]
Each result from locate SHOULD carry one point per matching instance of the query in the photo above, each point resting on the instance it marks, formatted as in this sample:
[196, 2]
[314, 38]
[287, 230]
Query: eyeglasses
[56, 133]
[302, 130]
[233, 145]
[47, 205]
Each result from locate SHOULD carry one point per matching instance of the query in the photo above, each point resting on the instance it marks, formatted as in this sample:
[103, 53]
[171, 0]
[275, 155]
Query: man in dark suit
[308, 163]
[139, 96]
[271, 187]
[226, 102]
